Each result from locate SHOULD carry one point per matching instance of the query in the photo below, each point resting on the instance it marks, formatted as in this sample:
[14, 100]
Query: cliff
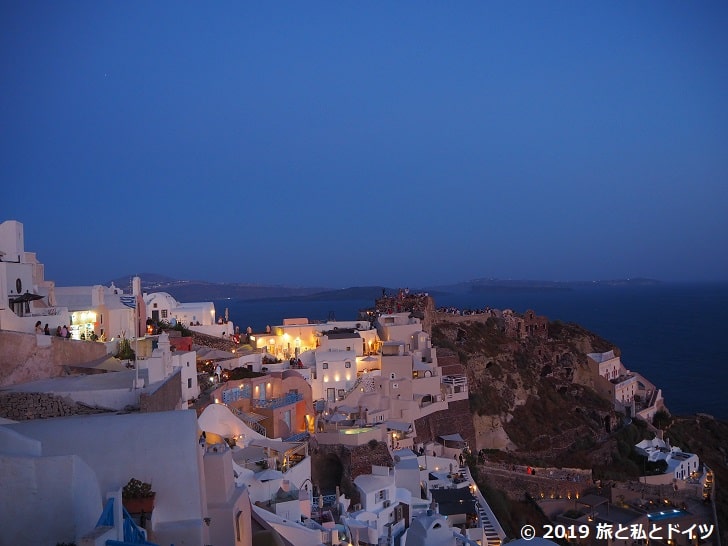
[529, 394]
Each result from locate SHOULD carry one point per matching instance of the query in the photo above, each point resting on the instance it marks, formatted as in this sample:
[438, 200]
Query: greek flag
[129, 301]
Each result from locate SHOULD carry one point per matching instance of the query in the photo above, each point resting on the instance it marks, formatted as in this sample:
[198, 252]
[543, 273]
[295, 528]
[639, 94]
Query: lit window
[164, 313]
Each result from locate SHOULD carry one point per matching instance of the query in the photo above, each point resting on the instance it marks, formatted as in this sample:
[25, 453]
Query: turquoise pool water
[665, 514]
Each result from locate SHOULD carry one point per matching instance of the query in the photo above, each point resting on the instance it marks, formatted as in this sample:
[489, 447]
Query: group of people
[63, 331]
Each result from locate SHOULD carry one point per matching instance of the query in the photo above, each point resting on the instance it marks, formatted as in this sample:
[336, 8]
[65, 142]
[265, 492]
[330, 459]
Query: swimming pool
[355, 430]
[665, 514]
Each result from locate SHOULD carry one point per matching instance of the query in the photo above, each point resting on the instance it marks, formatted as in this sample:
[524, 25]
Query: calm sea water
[674, 334]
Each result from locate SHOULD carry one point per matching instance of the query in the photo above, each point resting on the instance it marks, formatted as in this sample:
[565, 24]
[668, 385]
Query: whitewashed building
[64, 469]
[25, 296]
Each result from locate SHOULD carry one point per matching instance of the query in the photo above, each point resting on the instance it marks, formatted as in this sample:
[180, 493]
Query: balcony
[274, 403]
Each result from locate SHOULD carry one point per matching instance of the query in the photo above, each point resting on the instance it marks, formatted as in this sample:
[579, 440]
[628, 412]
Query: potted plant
[138, 497]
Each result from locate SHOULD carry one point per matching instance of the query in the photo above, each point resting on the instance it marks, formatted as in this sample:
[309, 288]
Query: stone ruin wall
[24, 406]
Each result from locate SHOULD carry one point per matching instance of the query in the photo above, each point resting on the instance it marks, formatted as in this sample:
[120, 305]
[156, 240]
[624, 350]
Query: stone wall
[166, 398]
[353, 462]
[25, 357]
[545, 483]
[24, 406]
[456, 419]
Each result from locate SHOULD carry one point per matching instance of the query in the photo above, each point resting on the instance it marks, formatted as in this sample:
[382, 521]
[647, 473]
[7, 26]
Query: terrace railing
[233, 395]
[273, 403]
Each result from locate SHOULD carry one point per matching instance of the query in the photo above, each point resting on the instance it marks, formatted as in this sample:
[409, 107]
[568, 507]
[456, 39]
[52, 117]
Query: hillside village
[409, 425]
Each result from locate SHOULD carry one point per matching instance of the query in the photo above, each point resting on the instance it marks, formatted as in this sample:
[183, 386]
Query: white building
[25, 296]
[98, 310]
[60, 472]
[197, 316]
[381, 513]
[609, 365]
[335, 374]
[680, 465]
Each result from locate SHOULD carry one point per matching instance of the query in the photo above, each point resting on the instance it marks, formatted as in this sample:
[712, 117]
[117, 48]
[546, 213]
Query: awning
[247, 454]
[280, 447]
[24, 298]
[107, 363]
[207, 353]
[453, 438]
[401, 426]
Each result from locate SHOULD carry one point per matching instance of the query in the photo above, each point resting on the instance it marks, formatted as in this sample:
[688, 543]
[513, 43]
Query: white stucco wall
[47, 500]
[160, 448]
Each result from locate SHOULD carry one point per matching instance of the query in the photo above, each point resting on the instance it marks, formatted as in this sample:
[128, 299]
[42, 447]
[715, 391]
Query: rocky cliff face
[528, 395]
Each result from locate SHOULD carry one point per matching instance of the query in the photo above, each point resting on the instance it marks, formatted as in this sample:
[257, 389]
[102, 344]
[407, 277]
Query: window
[164, 313]
[325, 365]
[189, 382]
[154, 306]
[391, 376]
[347, 364]
[381, 495]
[395, 385]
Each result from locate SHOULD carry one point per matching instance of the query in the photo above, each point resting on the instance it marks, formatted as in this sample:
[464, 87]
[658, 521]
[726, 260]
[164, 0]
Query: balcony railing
[233, 395]
[273, 403]
[250, 420]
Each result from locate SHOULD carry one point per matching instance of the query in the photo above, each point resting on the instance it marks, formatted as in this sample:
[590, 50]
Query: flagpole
[136, 336]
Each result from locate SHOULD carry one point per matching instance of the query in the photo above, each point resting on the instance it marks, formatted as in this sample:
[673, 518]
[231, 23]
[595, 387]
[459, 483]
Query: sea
[673, 334]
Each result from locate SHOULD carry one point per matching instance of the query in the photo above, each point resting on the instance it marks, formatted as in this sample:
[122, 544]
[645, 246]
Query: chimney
[136, 286]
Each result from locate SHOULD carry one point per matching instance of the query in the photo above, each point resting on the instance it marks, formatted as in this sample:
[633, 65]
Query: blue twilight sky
[342, 143]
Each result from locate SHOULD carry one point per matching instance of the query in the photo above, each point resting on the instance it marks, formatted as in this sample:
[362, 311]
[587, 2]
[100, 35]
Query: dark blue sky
[341, 143]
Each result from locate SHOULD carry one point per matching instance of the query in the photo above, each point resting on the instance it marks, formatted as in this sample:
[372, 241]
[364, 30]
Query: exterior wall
[12, 239]
[192, 313]
[426, 385]
[336, 376]
[166, 398]
[47, 500]
[162, 303]
[187, 364]
[608, 365]
[17, 265]
[27, 357]
[346, 344]
[535, 325]
[119, 447]
[624, 391]
[352, 440]
[275, 423]
[397, 367]
[217, 330]
[228, 507]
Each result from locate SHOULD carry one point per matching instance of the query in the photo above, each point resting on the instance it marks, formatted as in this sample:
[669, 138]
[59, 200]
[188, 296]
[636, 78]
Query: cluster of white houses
[242, 467]
[220, 486]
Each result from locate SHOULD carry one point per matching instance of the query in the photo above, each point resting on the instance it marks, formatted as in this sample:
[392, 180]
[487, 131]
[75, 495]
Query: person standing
[46, 330]
[64, 332]
[38, 328]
